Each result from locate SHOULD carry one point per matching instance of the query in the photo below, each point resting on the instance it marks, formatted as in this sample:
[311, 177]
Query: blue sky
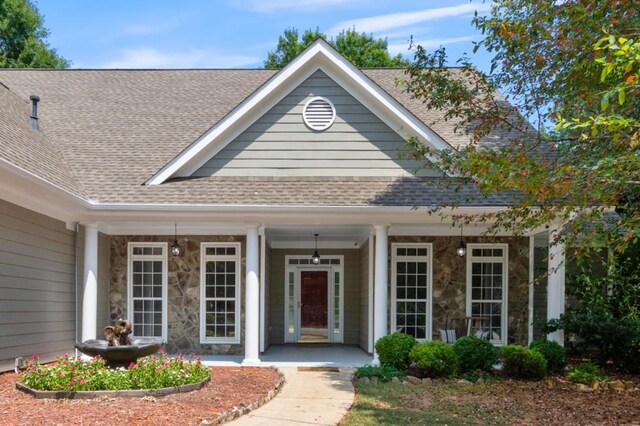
[238, 34]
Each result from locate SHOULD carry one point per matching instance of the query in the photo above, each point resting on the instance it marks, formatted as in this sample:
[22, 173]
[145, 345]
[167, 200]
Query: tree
[570, 72]
[361, 49]
[23, 38]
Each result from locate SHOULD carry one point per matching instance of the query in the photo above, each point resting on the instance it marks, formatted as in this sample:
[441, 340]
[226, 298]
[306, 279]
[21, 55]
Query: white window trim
[163, 257]
[296, 269]
[394, 259]
[505, 284]
[203, 302]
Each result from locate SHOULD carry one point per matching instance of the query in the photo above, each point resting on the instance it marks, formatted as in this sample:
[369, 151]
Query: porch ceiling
[335, 236]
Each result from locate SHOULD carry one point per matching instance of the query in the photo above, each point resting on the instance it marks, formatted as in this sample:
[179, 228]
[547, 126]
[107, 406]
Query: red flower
[73, 368]
[132, 364]
[72, 383]
[35, 356]
[60, 373]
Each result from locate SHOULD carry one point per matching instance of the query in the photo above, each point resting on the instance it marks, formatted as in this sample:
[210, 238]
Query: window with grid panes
[147, 289]
[411, 290]
[220, 293]
[487, 289]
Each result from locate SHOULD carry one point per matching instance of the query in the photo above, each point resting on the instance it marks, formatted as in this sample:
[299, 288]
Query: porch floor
[300, 355]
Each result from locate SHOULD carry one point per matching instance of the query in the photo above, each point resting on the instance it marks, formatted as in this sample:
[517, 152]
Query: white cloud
[193, 58]
[396, 20]
[267, 6]
[430, 43]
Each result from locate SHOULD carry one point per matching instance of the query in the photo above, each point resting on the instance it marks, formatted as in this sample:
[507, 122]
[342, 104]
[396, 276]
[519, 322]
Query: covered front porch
[236, 292]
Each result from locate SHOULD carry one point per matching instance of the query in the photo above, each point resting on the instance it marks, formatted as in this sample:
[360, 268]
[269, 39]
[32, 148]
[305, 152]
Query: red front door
[314, 306]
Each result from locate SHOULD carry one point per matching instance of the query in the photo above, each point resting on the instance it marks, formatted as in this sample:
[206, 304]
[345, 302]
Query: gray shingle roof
[30, 149]
[116, 128]
[311, 191]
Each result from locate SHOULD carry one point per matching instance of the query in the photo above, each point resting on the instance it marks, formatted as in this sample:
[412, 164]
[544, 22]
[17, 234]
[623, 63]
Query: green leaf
[621, 96]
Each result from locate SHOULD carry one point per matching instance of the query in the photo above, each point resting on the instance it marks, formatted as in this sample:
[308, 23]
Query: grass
[555, 402]
[397, 404]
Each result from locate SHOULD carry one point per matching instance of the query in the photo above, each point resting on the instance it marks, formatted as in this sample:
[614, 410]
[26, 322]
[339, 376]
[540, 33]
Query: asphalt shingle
[116, 128]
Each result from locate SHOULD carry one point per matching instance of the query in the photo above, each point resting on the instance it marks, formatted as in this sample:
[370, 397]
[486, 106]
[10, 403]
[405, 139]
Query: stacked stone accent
[449, 287]
[183, 292]
[450, 283]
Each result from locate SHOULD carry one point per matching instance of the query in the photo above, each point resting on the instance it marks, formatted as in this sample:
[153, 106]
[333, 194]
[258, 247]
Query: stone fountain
[118, 349]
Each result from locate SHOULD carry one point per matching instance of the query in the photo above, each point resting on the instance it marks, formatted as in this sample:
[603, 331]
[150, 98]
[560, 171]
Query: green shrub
[522, 363]
[555, 354]
[587, 373]
[435, 359]
[385, 374]
[607, 317]
[475, 353]
[393, 350]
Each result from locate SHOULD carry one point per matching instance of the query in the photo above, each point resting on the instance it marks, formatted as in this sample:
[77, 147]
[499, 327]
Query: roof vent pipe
[34, 111]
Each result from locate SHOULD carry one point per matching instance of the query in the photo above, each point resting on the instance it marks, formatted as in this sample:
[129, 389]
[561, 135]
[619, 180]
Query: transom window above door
[411, 290]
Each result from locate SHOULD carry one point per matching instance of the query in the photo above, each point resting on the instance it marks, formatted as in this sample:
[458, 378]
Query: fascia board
[30, 191]
[199, 147]
[381, 104]
[318, 56]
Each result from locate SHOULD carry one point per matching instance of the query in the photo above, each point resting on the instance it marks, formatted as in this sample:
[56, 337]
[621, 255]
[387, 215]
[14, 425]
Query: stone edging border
[137, 393]
[236, 412]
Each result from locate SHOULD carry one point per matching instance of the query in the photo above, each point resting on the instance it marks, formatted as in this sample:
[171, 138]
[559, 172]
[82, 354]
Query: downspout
[75, 277]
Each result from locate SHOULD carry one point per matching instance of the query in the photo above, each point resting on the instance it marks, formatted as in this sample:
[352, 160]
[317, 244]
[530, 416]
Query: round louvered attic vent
[319, 113]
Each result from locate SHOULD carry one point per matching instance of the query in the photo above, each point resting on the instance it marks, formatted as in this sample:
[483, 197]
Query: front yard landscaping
[230, 391]
[497, 402]
[474, 383]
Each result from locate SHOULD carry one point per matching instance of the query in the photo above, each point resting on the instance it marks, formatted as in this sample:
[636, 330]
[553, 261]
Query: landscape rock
[583, 388]
[374, 380]
[629, 385]
[616, 385]
[427, 381]
[395, 380]
[463, 382]
[364, 380]
[413, 380]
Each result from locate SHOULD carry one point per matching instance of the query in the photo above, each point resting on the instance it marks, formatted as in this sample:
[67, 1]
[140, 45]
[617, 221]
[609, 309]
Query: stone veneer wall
[183, 292]
[449, 282]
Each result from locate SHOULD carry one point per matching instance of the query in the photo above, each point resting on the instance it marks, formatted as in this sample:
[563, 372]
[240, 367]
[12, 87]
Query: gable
[279, 143]
[318, 56]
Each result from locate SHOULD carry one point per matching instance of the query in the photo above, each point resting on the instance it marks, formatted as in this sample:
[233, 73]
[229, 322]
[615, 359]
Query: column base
[251, 362]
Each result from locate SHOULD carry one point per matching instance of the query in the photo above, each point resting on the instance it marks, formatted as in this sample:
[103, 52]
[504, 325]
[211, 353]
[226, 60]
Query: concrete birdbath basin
[123, 355]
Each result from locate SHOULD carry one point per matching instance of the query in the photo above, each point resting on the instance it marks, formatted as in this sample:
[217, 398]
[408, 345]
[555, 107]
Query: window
[487, 289]
[147, 289]
[220, 293]
[411, 290]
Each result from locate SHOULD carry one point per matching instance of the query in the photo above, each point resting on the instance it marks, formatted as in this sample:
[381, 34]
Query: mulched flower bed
[229, 387]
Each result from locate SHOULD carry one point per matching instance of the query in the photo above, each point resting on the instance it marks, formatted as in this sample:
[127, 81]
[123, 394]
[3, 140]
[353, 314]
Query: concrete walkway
[319, 397]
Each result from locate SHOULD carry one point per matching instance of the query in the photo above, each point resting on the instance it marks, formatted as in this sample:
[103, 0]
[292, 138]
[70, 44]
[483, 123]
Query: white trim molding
[428, 296]
[237, 298]
[504, 300]
[162, 257]
[318, 56]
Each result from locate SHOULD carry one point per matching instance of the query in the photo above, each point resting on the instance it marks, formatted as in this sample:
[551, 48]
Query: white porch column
[90, 288]
[555, 283]
[380, 288]
[252, 304]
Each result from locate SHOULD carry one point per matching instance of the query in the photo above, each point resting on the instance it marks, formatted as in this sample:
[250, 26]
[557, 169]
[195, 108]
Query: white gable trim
[319, 56]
